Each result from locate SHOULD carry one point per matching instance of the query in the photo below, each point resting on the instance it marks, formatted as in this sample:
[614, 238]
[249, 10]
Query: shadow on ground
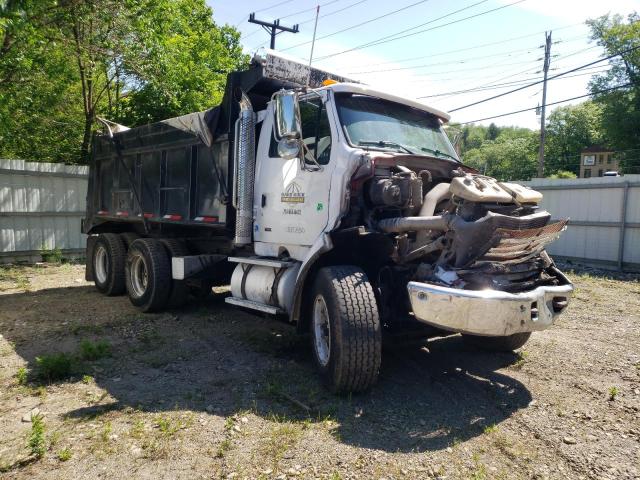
[210, 357]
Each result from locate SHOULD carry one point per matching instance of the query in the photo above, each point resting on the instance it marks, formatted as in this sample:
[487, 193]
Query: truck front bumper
[488, 312]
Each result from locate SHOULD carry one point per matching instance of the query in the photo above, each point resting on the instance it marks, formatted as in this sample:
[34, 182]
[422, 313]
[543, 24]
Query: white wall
[594, 207]
[41, 206]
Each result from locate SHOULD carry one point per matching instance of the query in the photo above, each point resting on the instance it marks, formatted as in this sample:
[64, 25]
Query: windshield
[377, 124]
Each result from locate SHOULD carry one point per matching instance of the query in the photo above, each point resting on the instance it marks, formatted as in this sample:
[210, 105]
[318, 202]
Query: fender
[321, 246]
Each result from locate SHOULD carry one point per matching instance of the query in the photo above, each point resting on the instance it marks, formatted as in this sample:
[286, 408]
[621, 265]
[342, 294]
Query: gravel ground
[212, 392]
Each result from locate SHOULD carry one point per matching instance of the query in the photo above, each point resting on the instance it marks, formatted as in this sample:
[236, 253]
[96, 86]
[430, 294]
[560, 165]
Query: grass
[21, 376]
[51, 255]
[94, 350]
[280, 439]
[64, 454]
[56, 366]
[490, 428]
[62, 365]
[87, 379]
[16, 276]
[480, 470]
[613, 393]
[137, 429]
[106, 432]
[522, 357]
[169, 427]
[36, 443]
[223, 448]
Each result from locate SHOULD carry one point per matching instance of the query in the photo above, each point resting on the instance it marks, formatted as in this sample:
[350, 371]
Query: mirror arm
[303, 160]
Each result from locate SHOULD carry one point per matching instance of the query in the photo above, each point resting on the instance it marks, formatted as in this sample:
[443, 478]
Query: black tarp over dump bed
[176, 174]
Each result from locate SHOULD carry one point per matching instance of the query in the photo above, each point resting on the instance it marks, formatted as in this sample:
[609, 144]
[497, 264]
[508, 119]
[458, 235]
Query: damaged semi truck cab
[341, 208]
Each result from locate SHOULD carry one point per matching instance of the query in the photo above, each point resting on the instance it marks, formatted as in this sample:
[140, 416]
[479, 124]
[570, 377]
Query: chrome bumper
[488, 312]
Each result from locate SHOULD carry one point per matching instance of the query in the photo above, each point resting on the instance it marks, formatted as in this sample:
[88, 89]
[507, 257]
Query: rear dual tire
[108, 261]
[148, 274]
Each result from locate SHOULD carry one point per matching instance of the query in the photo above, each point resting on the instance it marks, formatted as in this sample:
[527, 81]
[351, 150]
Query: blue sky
[495, 47]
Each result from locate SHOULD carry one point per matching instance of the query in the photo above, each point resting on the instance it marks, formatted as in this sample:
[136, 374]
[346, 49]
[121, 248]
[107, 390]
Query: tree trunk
[85, 149]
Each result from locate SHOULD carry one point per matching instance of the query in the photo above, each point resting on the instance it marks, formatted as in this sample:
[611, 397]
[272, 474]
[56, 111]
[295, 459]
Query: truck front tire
[498, 344]
[345, 329]
[148, 274]
[108, 259]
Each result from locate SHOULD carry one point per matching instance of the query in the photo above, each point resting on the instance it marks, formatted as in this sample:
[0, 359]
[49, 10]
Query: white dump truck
[343, 209]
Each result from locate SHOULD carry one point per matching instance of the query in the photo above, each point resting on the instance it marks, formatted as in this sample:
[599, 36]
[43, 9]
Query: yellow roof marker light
[328, 81]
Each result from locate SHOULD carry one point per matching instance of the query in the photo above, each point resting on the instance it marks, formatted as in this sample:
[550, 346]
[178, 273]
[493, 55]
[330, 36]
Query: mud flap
[88, 270]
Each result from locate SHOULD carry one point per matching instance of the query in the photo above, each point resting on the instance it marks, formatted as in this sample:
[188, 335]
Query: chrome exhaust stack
[244, 170]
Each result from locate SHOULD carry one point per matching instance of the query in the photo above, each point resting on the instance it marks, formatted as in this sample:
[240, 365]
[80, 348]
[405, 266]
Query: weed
[335, 476]
[106, 432]
[64, 454]
[223, 448]
[479, 471]
[229, 423]
[15, 276]
[522, 356]
[51, 255]
[54, 438]
[21, 376]
[613, 393]
[36, 442]
[56, 366]
[281, 438]
[94, 351]
[169, 427]
[490, 428]
[137, 430]
[87, 379]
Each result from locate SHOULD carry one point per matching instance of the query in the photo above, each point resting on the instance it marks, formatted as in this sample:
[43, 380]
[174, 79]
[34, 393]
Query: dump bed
[172, 171]
[175, 175]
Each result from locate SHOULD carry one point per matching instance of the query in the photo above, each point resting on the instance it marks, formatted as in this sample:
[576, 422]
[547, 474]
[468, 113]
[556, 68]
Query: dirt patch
[213, 392]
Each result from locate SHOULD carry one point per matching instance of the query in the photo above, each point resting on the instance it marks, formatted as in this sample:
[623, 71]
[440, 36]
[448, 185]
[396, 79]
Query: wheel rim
[139, 276]
[322, 330]
[100, 264]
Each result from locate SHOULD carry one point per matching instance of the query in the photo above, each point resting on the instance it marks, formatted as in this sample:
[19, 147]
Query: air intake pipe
[244, 170]
[414, 224]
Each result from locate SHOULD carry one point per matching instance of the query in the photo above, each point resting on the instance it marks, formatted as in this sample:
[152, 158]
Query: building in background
[596, 160]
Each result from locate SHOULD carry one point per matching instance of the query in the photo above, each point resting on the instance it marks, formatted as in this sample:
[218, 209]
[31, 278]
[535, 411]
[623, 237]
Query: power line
[523, 71]
[507, 84]
[540, 81]
[264, 9]
[293, 15]
[322, 16]
[475, 47]
[361, 23]
[548, 104]
[450, 62]
[388, 38]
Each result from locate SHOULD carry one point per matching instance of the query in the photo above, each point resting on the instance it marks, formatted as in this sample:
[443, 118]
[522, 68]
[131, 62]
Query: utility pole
[273, 28]
[547, 61]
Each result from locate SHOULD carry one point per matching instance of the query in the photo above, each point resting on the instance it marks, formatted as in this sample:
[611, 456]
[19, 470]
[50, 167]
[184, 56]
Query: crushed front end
[469, 249]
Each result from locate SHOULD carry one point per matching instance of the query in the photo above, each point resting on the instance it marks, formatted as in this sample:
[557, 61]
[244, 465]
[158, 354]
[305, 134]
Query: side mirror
[287, 124]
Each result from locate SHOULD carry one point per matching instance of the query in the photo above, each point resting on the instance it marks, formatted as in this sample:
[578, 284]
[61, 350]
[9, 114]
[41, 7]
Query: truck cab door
[291, 197]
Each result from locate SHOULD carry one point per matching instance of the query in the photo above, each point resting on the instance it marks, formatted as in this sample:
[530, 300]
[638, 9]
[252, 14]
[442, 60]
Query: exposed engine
[466, 231]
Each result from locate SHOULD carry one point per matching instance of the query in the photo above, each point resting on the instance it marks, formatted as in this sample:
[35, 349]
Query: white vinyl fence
[604, 218]
[41, 206]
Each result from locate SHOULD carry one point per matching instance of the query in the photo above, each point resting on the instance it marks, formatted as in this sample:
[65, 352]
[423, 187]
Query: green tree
[570, 129]
[64, 63]
[620, 109]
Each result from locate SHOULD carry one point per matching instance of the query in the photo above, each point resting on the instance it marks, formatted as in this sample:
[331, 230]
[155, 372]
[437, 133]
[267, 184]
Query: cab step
[262, 307]
[265, 262]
